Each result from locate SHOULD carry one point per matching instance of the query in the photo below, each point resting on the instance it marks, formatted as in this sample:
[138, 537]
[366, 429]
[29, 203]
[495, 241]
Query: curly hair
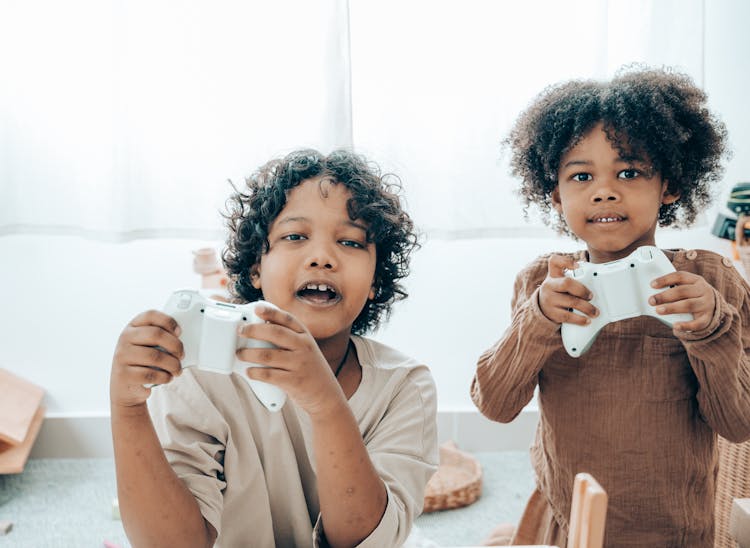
[374, 199]
[657, 115]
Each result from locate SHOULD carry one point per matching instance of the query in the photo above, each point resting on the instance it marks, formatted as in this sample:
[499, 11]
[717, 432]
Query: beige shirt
[640, 410]
[253, 471]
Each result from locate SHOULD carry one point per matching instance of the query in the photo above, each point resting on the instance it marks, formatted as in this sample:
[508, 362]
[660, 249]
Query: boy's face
[609, 203]
[319, 265]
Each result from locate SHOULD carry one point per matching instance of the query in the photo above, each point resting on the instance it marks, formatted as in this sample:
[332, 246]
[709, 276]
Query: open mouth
[318, 293]
[607, 219]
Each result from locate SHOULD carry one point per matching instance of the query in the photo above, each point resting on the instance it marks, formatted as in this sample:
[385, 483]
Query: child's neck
[334, 349]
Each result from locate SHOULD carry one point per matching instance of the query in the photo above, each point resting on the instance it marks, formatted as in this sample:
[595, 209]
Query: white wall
[66, 299]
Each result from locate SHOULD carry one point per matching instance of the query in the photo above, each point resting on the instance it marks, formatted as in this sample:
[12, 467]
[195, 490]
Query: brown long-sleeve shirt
[640, 410]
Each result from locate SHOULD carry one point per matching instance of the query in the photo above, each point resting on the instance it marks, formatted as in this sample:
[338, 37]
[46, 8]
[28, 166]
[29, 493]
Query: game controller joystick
[210, 340]
[621, 290]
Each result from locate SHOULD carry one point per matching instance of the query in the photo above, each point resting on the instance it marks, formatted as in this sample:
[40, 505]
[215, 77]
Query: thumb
[558, 264]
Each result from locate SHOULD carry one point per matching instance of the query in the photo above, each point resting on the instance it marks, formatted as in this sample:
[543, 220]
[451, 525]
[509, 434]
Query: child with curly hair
[641, 409]
[346, 460]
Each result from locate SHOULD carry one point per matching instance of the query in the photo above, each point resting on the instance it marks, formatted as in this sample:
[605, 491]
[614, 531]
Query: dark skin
[612, 203]
[313, 239]
[560, 295]
[156, 506]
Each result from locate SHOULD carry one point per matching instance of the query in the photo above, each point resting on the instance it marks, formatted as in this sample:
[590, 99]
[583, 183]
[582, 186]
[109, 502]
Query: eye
[352, 243]
[293, 237]
[582, 177]
[628, 174]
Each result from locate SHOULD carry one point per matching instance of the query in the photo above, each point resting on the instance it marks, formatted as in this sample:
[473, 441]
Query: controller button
[692, 254]
[726, 261]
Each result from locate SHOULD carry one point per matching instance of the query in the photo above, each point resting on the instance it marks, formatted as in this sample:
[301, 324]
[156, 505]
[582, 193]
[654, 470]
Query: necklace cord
[343, 360]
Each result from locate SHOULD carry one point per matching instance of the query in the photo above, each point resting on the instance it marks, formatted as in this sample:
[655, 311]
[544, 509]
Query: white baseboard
[76, 436]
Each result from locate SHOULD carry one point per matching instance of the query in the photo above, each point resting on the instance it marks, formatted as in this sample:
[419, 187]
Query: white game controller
[621, 290]
[210, 340]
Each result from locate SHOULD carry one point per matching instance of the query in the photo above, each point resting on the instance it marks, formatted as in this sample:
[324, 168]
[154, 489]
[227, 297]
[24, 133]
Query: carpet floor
[67, 503]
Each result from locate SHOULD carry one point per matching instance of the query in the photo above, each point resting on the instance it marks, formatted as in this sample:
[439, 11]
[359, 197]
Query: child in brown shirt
[641, 409]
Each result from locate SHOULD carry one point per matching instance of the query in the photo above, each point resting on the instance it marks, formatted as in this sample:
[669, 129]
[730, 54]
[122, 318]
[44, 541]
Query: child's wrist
[332, 409]
[119, 410]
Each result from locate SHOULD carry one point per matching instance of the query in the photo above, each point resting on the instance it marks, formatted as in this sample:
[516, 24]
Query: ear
[255, 276]
[371, 295]
[668, 197]
[555, 198]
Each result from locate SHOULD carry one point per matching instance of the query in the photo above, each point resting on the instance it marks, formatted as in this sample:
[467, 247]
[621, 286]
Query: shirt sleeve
[191, 441]
[403, 449]
[507, 373]
[718, 354]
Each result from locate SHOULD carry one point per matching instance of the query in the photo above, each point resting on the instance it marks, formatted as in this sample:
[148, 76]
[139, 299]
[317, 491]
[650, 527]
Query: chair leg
[588, 513]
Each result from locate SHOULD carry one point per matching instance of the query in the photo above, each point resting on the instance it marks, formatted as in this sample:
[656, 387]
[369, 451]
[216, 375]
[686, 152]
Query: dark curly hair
[656, 115]
[375, 200]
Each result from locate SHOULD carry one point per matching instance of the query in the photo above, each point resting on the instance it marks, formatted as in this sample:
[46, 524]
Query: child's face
[609, 203]
[319, 265]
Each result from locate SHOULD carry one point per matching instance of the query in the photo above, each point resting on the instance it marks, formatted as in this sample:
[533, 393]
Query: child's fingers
[560, 296]
[157, 318]
[279, 317]
[676, 294]
[137, 376]
[148, 356]
[699, 322]
[569, 304]
[569, 315]
[584, 306]
[571, 287]
[567, 301]
[675, 278]
[698, 306]
[151, 335]
[558, 264]
[278, 335]
[562, 307]
[276, 358]
[277, 377]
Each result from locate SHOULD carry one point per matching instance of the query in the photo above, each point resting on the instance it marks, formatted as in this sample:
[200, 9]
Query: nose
[605, 192]
[321, 256]
[315, 263]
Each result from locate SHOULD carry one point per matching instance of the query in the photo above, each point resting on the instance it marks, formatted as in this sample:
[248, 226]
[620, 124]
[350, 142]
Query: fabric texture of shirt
[252, 471]
[639, 410]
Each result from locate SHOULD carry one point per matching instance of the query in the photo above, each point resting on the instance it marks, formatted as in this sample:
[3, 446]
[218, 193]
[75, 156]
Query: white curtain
[124, 119]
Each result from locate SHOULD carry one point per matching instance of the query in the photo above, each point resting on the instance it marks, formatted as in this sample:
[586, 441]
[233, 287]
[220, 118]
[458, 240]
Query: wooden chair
[588, 512]
[733, 482]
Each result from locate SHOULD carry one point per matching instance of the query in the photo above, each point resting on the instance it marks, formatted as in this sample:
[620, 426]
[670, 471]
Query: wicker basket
[457, 482]
[733, 482]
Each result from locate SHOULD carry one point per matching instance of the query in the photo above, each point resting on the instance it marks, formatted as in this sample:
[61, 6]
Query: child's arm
[156, 507]
[352, 495]
[717, 340]
[543, 298]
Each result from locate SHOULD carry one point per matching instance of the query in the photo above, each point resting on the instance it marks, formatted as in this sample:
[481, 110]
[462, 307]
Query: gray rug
[67, 503]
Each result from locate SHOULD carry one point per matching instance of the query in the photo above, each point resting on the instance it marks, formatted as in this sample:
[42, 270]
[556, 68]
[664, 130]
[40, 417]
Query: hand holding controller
[210, 339]
[621, 290]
